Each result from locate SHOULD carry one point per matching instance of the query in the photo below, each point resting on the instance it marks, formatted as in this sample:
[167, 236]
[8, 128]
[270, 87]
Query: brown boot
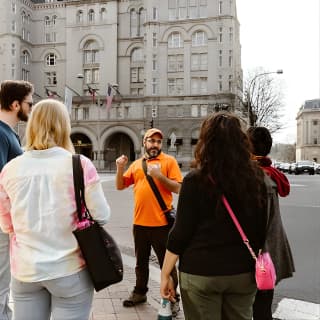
[134, 299]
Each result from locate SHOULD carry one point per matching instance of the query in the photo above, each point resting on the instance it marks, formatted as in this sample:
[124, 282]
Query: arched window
[133, 23]
[47, 21]
[80, 16]
[141, 21]
[137, 55]
[199, 38]
[54, 19]
[25, 57]
[23, 17]
[103, 14]
[91, 16]
[91, 52]
[91, 62]
[51, 59]
[175, 40]
[137, 72]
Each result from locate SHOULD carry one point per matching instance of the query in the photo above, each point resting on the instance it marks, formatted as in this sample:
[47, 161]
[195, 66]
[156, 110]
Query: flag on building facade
[51, 94]
[68, 94]
[92, 93]
[109, 98]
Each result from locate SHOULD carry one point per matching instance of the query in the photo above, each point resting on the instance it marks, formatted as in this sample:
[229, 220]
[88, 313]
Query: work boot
[134, 299]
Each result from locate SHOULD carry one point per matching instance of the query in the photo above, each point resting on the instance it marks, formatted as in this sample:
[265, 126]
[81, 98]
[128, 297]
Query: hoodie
[278, 177]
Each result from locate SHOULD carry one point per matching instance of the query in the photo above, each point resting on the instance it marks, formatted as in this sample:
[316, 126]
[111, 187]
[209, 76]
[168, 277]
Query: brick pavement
[107, 304]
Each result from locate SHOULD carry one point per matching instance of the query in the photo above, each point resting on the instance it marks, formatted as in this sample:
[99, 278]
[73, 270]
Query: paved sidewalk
[107, 304]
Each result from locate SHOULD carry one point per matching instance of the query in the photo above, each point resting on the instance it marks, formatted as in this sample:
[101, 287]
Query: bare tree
[263, 100]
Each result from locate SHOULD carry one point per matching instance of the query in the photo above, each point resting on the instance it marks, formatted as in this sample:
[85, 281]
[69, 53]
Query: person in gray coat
[276, 242]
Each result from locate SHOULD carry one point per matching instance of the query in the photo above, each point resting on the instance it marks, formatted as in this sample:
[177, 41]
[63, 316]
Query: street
[301, 218]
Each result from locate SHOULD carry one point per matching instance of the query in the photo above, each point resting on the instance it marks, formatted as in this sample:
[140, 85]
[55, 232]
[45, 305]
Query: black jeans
[262, 306]
[144, 239]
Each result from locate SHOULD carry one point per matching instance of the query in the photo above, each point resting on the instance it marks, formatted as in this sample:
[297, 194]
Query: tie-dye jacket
[38, 210]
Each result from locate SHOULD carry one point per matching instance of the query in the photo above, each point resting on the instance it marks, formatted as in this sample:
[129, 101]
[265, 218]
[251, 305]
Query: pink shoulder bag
[265, 271]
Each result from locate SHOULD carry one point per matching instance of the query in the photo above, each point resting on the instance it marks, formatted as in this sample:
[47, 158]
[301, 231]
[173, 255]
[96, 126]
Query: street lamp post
[251, 115]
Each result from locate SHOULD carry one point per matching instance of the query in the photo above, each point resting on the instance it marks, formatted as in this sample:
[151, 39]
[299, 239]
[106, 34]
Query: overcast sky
[283, 34]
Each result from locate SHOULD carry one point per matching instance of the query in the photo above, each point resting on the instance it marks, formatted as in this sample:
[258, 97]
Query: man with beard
[150, 227]
[16, 102]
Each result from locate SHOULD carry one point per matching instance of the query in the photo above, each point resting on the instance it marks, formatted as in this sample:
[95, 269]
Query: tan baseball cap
[151, 132]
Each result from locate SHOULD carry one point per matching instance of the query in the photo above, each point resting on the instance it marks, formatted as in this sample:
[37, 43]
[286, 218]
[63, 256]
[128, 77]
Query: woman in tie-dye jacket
[38, 210]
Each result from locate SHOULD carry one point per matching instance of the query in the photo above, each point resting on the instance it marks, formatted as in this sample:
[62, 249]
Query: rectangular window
[193, 9]
[13, 71]
[51, 78]
[154, 39]
[13, 26]
[175, 63]
[199, 85]
[194, 111]
[172, 10]
[220, 7]
[175, 86]
[154, 86]
[203, 110]
[203, 9]
[199, 61]
[154, 13]
[85, 113]
[13, 49]
[154, 62]
[220, 35]
[220, 58]
[230, 83]
[230, 34]
[182, 9]
[230, 58]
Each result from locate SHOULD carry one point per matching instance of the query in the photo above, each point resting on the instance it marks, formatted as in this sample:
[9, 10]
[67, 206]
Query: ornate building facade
[308, 131]
[172, 62]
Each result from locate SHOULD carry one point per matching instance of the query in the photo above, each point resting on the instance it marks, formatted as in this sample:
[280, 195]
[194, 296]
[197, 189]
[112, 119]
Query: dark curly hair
[223, 152]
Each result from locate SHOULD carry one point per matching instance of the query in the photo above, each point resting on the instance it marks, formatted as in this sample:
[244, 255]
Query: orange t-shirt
[147, 211]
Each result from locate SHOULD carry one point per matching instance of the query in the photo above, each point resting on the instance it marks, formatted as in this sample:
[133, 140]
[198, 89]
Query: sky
[283, 34]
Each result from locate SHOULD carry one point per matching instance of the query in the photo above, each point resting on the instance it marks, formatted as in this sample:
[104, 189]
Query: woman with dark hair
[276, 242]
[216, 269]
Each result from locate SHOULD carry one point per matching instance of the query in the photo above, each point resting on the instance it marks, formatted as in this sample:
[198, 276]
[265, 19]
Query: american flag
[109, 98]
[92, 93]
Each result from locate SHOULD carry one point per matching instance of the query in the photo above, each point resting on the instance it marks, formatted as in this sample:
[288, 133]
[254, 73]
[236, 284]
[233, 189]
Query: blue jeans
[65, 298]
[5, 311]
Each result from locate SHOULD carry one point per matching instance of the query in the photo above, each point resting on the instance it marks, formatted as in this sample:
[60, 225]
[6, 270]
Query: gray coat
[276, 239]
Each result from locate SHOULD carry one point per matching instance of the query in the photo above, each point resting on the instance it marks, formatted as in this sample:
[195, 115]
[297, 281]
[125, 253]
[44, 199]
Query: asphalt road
[301, 217]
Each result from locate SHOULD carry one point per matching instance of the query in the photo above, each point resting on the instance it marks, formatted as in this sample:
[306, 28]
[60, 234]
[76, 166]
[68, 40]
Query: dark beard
[151, 156]
[22, 116]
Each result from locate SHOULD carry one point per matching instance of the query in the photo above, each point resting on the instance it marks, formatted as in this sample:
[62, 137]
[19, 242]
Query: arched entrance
[116, 145]
[82, 144]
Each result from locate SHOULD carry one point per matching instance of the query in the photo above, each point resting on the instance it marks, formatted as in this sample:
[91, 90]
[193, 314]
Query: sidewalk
[107, 304]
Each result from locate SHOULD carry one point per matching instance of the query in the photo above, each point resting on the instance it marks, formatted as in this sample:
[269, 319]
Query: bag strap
[238, 226]
[154, 186]
[236, 223]
[78, 183]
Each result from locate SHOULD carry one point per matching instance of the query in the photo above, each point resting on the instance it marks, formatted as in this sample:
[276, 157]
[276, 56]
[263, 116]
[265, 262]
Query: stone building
[308, 131]
[169, 63]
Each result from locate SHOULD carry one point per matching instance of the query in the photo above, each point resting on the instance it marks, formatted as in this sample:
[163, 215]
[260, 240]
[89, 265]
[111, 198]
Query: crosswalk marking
[290, 309]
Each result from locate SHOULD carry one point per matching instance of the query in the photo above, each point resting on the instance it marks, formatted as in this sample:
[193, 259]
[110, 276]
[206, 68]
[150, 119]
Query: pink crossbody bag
[265, 272]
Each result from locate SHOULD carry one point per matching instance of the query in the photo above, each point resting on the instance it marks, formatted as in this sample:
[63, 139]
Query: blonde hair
[49, 126]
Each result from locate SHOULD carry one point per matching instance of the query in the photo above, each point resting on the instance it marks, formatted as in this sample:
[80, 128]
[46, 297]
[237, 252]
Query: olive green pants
[217, 297]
